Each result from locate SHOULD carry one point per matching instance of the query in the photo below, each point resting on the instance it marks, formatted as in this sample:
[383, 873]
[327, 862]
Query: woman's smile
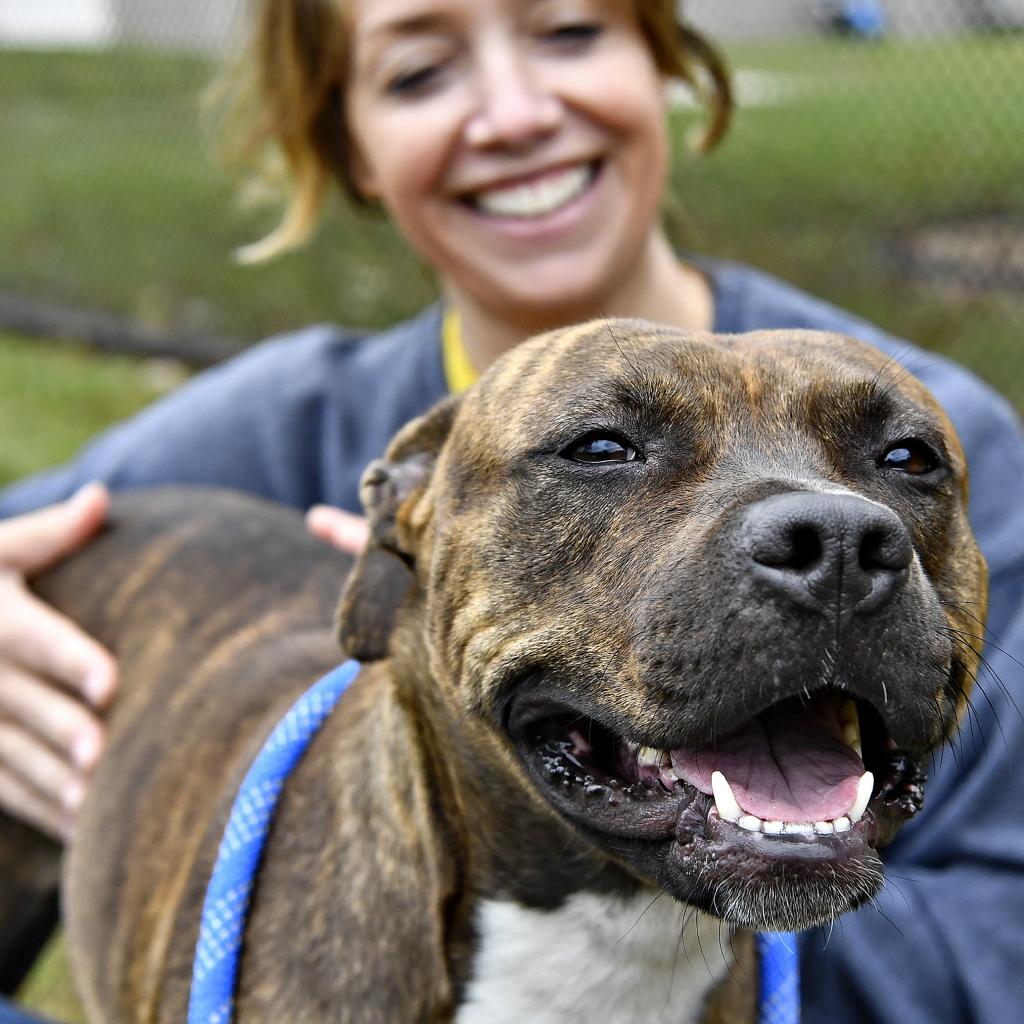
[535, 196]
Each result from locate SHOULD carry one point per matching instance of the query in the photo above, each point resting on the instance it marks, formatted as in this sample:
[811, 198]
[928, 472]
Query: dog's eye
[601, 447]
[910, 456]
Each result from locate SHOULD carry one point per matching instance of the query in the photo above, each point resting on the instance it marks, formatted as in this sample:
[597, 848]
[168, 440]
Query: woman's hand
[53, 678]
[343, 530]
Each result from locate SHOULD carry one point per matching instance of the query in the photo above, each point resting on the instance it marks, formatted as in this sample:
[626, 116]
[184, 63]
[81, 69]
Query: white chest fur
[597, 958]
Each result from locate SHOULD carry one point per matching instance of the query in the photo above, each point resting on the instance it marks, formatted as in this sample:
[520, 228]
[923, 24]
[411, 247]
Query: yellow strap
[458, 370]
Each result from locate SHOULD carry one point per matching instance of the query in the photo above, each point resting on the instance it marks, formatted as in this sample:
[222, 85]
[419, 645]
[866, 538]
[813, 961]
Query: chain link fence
[876, 160]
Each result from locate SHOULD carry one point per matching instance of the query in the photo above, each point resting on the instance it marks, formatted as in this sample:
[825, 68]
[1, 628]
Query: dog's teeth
[860, 804]
[798, 828]
[648, 756]
[842, 824]
[750, 823]
[849, 720]
[851, 737]
[774, 828]
[725, 801]
[824, 828]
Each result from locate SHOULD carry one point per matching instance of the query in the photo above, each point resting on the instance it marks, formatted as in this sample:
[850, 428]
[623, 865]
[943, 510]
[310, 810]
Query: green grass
[876, 142]
[54, 398]
[49, 990]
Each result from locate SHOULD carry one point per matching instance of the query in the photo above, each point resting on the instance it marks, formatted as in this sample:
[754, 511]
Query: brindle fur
[484, 568]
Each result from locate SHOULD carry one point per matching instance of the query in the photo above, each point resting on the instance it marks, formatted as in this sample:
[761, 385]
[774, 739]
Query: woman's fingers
[35, 784]
[37, 638]
[22, 803]
[32, 542]
[63, 723]
[341, 529]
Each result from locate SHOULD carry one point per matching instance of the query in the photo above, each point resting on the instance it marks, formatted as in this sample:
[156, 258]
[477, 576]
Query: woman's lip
[534, 177]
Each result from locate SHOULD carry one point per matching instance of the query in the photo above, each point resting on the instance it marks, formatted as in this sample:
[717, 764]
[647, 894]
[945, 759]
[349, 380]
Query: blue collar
[226, 907]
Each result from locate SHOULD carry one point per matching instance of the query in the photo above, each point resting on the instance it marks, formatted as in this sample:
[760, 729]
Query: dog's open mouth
[809, 783]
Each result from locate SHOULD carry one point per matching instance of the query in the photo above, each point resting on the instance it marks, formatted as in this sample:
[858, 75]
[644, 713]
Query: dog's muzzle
[768, 819]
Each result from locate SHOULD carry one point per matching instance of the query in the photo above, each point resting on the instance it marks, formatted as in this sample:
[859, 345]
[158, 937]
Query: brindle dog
[644, 612]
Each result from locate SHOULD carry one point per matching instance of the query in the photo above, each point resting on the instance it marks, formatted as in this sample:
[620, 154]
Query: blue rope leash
[215, 970]
[779, 977]
[226, 907]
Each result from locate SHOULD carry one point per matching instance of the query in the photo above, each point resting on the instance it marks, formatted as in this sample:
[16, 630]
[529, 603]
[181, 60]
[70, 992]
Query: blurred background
[876, 160]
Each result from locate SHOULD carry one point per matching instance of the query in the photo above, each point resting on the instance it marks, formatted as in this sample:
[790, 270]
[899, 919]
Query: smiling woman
[489, 133]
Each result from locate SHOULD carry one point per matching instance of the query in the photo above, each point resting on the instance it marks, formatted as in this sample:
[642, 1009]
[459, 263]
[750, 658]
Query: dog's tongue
[788, 764]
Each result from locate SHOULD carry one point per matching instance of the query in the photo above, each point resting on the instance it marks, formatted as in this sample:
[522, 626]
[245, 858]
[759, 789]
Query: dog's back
[219, 608]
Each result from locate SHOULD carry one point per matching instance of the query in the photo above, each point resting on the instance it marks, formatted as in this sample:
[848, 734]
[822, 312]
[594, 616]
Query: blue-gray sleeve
[240, 425]
[295, 419]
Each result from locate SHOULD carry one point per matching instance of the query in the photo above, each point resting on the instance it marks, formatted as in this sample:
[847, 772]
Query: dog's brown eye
[597, 447]
[910, 456]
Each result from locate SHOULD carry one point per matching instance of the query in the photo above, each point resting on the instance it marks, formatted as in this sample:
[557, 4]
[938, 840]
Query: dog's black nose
[838, 554]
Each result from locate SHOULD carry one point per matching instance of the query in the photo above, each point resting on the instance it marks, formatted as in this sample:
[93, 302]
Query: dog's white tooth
[824, 828]
[750, 823]
[860, 804]
[849, 720]
[725, 801]
[774, 828]
[842, 824]
[798, 828]
[851, 737]
[649, 756]
[848, 713]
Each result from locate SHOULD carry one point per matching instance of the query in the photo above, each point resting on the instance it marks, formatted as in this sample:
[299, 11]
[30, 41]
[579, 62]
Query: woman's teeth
[537, 198]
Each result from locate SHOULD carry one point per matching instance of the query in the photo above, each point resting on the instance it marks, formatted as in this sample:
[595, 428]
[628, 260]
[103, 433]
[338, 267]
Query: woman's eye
[601, 448]
[577, 33]
[415, 82]
[910, 456]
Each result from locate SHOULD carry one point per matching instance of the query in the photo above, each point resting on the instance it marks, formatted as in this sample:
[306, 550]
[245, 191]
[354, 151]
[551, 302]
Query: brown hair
[287, 93]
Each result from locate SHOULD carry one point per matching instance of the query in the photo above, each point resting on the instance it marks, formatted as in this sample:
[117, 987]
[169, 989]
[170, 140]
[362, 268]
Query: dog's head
[715, 598]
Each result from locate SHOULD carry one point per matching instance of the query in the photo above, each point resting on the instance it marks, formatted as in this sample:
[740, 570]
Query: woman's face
[520, 145]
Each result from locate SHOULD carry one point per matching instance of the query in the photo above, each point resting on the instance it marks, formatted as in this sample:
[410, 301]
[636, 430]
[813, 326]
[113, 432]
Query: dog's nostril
[787, 546]
[806, 548]
[885, 550]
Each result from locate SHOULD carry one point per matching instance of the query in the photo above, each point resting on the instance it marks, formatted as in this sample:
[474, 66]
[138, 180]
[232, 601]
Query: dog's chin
[791, 841]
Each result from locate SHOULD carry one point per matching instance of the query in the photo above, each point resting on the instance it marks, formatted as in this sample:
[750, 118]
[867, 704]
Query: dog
[656, 631]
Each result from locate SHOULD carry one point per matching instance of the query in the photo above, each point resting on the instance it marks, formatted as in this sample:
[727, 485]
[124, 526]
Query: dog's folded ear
[392, 492]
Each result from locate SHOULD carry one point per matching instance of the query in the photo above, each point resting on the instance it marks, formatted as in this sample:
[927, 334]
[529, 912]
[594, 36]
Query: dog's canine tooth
[648, 757]
[860, 804]
[725, 801]
[849, 721]
[751, 823]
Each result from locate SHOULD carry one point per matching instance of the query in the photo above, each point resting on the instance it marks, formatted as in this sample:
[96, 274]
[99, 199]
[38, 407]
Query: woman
[521, 147]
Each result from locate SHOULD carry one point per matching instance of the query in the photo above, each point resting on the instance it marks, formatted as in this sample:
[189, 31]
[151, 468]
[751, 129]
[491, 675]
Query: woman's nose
[514, 107]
